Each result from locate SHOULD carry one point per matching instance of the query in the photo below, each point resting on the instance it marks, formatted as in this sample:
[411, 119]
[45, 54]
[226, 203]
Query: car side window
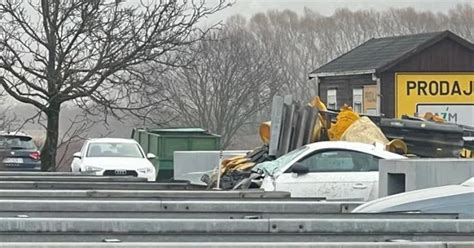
[340, 161]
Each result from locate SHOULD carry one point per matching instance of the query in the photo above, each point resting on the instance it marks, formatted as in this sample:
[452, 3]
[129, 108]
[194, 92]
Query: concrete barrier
[265, 206]
[231, 238]
[218, 215]
[98, 185]
[261, 206]
[44, 173]
[186, 163]
[371, 226]
[195, 194]
[397, 176]
[89, 213]
[73, 178]
[218, 230]
[221, 226]
[244, 244]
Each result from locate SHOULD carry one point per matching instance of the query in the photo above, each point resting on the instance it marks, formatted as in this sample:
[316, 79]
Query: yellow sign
[450, 95]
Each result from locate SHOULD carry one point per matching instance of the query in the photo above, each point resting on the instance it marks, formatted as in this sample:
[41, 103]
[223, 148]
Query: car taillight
[35, 155]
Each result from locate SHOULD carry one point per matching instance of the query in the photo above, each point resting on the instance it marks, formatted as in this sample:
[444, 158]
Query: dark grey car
[18, 153]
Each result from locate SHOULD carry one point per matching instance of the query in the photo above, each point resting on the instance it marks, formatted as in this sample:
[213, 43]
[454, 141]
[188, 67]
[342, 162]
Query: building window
[332, 99]
[357, 99]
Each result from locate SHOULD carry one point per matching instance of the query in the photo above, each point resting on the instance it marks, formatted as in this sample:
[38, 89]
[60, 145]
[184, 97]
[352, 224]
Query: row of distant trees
[241, 66]
[153, 64]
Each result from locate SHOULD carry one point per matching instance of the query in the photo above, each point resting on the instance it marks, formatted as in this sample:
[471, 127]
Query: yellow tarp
[344, 120]
[320, 123]
[265, 132]
[364, 130]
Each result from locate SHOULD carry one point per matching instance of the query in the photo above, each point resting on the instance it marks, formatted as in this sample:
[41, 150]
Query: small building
[392, 76]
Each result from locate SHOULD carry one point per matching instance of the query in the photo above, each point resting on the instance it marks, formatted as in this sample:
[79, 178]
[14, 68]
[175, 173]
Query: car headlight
[145, 170]
[92, 168]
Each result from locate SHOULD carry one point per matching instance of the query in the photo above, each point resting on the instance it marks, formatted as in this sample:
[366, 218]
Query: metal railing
[90, 211]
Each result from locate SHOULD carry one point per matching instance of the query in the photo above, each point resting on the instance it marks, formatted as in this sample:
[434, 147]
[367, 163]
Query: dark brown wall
[444, 56]
[344, 86]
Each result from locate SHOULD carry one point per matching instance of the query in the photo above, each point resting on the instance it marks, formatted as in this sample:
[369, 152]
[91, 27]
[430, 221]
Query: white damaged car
[335, 170]
[114, 157]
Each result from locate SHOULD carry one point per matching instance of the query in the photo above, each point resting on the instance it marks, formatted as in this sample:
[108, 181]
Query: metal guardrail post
[219, 168]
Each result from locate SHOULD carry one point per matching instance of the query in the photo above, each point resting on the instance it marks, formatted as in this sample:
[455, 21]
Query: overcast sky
[327, 7]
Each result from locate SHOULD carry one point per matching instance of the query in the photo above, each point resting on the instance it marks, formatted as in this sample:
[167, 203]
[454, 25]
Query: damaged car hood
[271, 167]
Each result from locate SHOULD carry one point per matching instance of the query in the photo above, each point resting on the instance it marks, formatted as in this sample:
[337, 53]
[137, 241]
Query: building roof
[376, 55]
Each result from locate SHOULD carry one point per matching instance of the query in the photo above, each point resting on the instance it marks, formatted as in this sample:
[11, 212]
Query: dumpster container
[164, 142]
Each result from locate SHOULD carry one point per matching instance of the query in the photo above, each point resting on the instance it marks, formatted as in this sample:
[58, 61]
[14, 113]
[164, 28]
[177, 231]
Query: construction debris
[363, 130]
[344, 120]
[234, 169]
[425, 138]
[294, 124]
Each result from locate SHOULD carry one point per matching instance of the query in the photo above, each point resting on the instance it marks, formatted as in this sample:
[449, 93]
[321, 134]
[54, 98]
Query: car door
[333, 174]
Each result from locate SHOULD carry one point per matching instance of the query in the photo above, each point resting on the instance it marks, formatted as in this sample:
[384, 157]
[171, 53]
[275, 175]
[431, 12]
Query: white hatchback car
[114, 157]
[336, 170]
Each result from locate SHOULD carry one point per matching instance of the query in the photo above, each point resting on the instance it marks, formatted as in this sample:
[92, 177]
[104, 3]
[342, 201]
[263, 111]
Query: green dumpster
[164, 142]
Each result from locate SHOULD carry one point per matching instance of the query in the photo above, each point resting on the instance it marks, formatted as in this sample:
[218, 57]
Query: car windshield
[270, 167]
[16, 142]
[122, 150]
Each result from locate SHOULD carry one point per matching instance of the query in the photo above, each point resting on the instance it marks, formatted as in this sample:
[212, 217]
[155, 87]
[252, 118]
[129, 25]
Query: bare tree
[230, 80]
[92, 53]
[461, 20]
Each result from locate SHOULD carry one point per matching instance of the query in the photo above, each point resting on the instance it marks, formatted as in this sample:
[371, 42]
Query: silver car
[445, 199]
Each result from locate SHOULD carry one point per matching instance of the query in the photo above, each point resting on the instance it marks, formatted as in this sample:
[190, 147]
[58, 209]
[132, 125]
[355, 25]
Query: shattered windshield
[270, 167]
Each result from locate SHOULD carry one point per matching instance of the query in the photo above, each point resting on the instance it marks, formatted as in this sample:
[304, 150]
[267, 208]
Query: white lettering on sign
[454, 113]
